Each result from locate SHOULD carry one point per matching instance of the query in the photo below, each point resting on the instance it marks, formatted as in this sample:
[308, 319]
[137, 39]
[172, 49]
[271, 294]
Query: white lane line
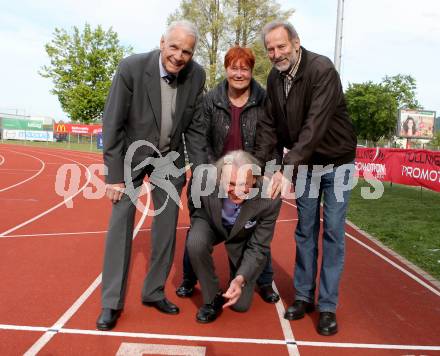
[400, 268]
[47, 336]
[368, 346]
[2, 160]
[219, 339]
[43, 165]
[81, 232]
[392, 263]
[18, 170]
[292, 348]
[23, 328]
[27, 222]
[102, 231]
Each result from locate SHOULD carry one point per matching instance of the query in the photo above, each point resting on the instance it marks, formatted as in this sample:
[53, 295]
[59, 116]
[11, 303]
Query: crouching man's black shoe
[298, 309]
[107, 319]
[268, 294]
[186, 289]
[209, 312]
[327, 324]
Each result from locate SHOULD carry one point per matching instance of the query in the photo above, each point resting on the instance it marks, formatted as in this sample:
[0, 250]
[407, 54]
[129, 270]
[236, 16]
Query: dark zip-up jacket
[217, 118]
[312, 122]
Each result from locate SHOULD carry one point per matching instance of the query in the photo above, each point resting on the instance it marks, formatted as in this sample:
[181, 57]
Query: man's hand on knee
[114, 191]
[233, 293]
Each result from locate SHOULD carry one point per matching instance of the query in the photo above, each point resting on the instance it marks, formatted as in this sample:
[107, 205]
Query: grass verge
[406, 219]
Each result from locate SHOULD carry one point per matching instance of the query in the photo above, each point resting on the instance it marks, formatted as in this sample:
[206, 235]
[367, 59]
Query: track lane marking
[27, 222]
[52, 331]
[102, 231]
[286, 327]
[386, 259]
[220, 339]
[43, 166]
[2, 160]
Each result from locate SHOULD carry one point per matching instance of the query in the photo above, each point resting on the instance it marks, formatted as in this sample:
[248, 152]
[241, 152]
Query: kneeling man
[238, 216]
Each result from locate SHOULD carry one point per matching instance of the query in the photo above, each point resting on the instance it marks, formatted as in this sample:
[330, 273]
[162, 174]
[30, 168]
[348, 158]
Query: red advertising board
[409, 167]
[77, 129]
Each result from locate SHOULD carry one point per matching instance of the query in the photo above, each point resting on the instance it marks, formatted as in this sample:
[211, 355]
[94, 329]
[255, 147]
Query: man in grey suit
[237, 215]
[155, 98]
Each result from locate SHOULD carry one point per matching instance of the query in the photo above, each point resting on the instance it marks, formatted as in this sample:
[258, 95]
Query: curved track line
[386, 259]
[2, 160]
[53, 330]
[89, 176]
[27, 179]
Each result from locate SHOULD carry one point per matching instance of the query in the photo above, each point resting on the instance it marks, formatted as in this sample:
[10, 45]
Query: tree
[81, 67]
[373, 109]
[208, 16]
[403, 87]
[224, 23]
[435, 142]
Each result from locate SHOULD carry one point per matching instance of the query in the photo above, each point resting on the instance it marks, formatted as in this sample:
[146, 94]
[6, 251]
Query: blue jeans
[332, 185]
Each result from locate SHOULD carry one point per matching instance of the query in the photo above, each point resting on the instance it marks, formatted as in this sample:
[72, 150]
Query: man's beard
[283, 66]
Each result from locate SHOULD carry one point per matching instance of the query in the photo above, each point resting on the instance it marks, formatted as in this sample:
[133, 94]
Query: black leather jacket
[217, 118]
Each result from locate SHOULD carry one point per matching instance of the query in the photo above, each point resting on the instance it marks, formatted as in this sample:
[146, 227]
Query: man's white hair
[238, 159]
[186, 25]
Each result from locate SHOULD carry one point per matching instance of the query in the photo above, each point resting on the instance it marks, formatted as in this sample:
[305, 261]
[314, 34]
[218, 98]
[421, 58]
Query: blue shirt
[230, 212]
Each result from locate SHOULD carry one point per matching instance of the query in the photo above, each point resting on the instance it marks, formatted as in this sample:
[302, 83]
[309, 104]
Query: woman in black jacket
[231, 112]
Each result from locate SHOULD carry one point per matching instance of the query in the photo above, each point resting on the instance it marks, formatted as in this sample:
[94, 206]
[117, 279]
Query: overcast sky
[381, 37]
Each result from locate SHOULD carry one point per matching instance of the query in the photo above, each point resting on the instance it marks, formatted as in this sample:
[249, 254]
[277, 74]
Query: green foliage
[224, 23]
[435, 142]
[81, 67]
[403, 87]
[406, 219]
[373, 109]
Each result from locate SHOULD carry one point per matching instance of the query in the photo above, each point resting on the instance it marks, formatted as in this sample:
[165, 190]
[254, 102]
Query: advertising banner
[27, 135]
[409, 167]
[77, 128]
[99, 142]
[416, 124]
[20, 124]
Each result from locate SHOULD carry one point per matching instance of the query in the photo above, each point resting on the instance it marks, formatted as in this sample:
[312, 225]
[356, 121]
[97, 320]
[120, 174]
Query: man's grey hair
[291, 32]
[188, 26]
[238, 159]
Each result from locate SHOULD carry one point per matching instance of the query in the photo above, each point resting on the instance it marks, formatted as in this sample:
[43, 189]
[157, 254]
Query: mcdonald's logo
[60, 128]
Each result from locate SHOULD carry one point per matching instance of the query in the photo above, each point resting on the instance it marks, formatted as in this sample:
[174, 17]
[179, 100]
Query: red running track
[50, 272]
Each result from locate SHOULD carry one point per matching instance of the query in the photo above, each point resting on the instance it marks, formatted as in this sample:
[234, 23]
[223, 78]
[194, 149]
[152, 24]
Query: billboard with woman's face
[416, 123]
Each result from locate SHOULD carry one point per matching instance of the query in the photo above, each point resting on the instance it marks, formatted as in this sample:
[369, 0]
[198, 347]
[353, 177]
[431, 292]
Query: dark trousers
[265, 278]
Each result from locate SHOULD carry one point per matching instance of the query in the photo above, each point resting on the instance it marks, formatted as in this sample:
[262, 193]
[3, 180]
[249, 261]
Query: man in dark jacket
[307, 114]
[234, 214]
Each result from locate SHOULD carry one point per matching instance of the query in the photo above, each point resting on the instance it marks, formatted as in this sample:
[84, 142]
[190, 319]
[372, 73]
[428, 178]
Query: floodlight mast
[338, 41]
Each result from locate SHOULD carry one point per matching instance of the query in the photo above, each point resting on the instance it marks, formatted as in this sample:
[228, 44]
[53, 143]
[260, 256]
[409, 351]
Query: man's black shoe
[268, 294]
[327, 324]
[164, 306]
[209, 312]
[298, 309]
[186, 289]
[107, 319]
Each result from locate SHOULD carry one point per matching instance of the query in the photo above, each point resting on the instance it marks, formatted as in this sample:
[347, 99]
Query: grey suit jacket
[249, 241]
[133, 112]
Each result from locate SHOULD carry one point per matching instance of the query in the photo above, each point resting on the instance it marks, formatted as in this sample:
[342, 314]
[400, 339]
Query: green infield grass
[406, 219]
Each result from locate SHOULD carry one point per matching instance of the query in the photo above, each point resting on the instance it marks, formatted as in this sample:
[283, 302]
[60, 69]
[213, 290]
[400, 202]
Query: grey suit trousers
[200, 243]
[119, 241]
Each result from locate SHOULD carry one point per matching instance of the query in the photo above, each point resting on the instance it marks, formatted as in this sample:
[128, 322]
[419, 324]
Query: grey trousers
[200, 243]
[119, 241]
